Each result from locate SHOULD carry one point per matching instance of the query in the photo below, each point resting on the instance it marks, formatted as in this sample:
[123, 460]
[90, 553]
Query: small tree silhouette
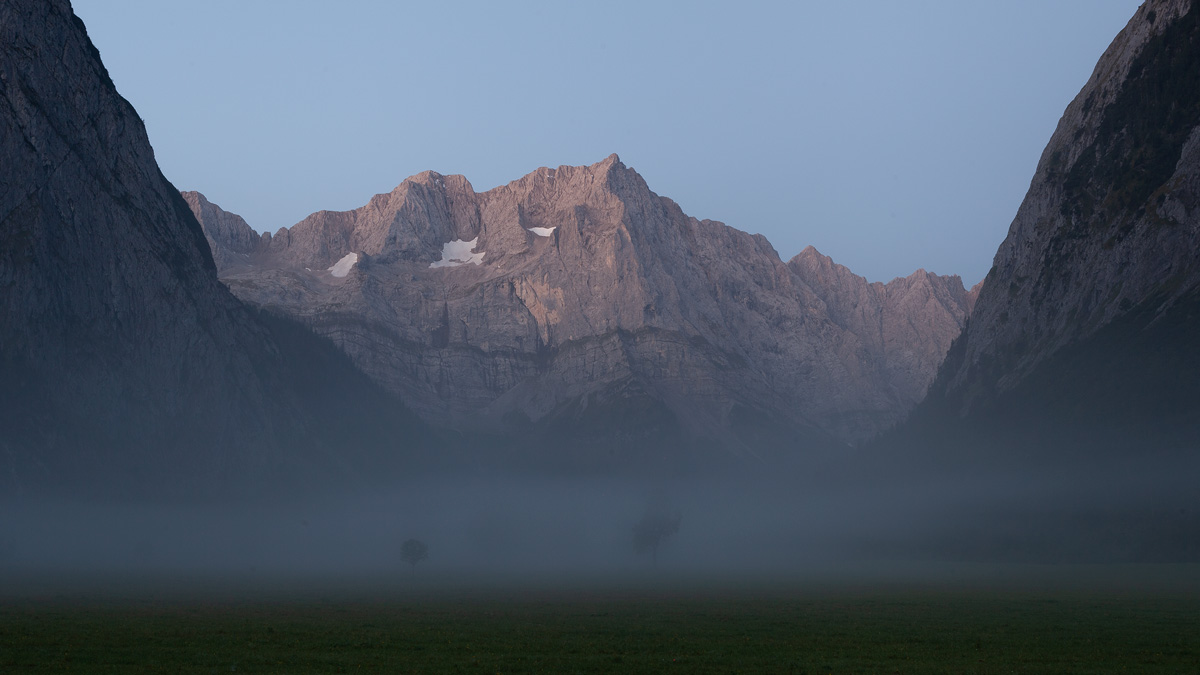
[414, 551]
[653, 529]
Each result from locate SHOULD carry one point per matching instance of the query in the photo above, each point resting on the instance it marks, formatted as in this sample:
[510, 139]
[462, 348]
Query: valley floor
[418, 628]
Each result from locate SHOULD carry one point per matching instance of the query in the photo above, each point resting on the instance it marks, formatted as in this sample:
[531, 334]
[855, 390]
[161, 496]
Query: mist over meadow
[740, 529]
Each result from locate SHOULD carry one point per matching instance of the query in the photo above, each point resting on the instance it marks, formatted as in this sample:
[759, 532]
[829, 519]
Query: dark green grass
[852, 631]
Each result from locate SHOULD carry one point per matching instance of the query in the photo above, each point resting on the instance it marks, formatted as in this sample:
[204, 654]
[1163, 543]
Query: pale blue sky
[890, 135]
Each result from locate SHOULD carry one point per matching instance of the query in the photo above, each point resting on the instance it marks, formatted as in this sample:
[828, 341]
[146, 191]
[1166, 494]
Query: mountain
[1084, 335]
[907, 324]
[127, 366]
[576, 303]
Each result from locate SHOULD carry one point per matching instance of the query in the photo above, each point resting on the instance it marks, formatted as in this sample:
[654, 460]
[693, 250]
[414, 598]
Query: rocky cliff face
[907, 324]
[576, 292]
[238, 242]
[126, 364]
[1090, 309]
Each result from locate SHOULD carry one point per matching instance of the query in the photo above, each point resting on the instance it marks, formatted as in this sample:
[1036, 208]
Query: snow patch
[459, 252]
[342, 267]
[542, 231]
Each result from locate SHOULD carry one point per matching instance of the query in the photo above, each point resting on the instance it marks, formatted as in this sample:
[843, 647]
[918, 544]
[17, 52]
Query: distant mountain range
[575, 298]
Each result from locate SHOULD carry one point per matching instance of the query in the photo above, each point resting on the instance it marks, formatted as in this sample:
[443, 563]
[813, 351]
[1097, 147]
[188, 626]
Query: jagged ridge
[623, 288]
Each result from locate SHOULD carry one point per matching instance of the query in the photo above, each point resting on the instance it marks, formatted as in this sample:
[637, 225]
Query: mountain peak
[810, 252]
[424, 177]
[611, 169]
[432, 179]
[194, 194]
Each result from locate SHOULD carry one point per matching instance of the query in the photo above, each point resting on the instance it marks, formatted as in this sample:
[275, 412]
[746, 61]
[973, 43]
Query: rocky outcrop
[906, 324]
[127, 366]
[231, 241]
[573, 292]
[1088, 316]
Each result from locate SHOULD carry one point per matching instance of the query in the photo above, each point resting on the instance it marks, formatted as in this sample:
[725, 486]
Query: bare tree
[655, 527]
[414, 551]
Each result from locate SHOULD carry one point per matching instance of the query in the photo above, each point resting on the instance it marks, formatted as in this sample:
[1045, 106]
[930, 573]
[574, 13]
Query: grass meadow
[914, 626]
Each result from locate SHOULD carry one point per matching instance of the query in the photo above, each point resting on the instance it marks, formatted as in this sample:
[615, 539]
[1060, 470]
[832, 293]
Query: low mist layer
[482, 532]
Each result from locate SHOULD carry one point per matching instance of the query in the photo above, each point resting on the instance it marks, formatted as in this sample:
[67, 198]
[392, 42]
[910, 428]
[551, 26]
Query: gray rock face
[126, 364]
[238, 240]
[578, 289]
[906, 325]
[1106, 240]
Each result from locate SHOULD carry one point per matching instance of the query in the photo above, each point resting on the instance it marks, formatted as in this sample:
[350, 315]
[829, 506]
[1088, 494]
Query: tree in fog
[414, 551]
[655, 527]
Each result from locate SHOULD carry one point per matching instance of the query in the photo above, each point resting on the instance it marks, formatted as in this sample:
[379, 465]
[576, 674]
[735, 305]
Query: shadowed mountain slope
[126, 365]
[1084, 335]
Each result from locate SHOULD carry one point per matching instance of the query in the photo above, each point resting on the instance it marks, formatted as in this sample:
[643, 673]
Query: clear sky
[890, 135]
